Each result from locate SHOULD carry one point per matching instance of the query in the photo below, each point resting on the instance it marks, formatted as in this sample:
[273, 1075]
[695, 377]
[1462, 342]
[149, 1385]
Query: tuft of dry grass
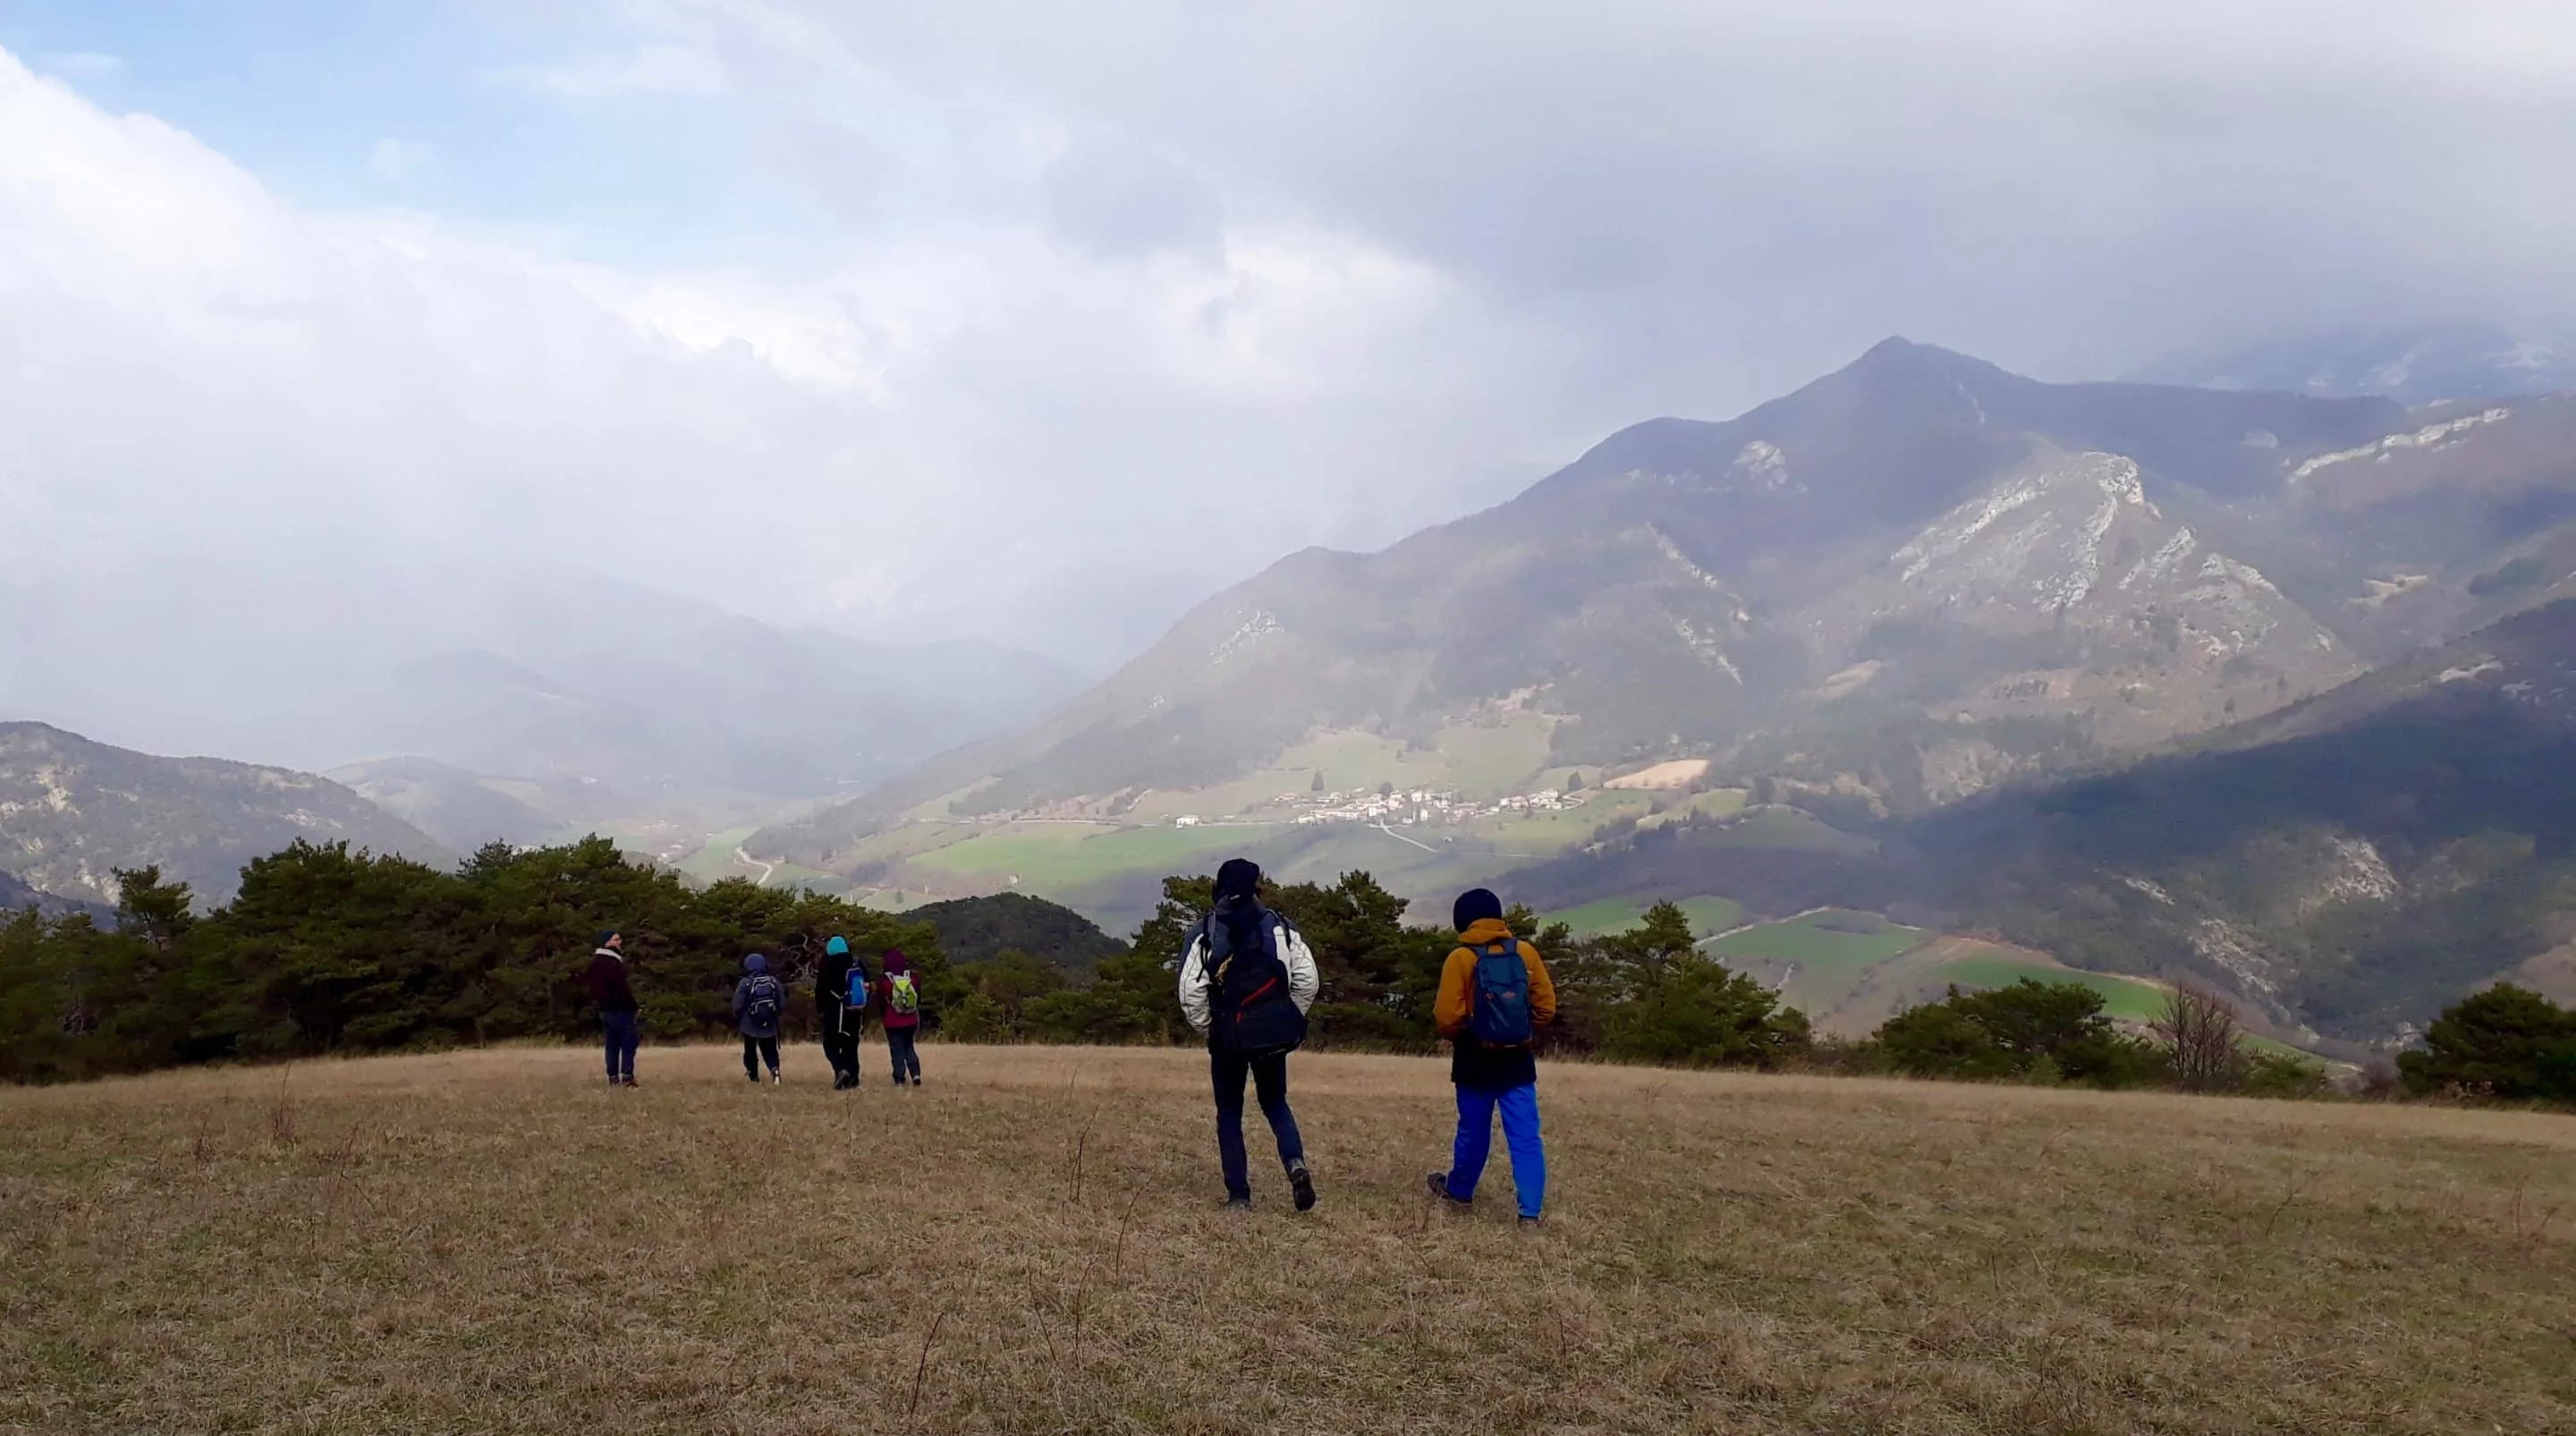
[493, 1242]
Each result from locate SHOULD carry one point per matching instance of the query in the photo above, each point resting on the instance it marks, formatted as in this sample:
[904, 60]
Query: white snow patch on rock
[2360, 874]
[2165, 562]
[1762, 462]
[1259, 626]
[2150, 888]
[1673, 554]
[2217, 942]
[2430, 436]
[1707, 648]
[2115, 477]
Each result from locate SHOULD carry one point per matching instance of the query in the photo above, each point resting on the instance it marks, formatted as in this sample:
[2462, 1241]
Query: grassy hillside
[485, 1241]
[1817, 961]
[1706, 914]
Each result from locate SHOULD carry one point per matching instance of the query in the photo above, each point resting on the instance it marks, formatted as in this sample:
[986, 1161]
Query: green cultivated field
[1060, 857]
[2122, 997]
[1789, 828]
[1824, 957]
[1707, 915]
[1719, 803]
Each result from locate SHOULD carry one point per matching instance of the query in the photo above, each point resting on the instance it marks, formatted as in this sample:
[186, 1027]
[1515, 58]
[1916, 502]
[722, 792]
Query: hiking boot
[1529, 1223]
[752, 1077]
[1438, 1183]
[1302, 1182]
[1236, 1204]
[774, 1078]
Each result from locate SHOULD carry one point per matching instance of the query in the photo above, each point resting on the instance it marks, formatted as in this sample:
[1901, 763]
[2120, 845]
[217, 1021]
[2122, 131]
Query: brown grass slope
[486, 1242]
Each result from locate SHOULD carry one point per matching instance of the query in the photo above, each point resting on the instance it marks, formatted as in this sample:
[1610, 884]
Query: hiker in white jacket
[1247, 979]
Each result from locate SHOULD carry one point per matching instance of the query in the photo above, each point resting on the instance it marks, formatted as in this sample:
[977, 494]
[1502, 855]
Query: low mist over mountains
[73, 811]
[2423, 365]
[603, 693]
[1912, 578]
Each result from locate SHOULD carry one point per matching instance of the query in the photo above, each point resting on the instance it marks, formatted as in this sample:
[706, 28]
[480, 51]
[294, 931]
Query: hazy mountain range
[587, 695]
[2422, 365]
[1929, 614]
[1918, 575]
[73, 811]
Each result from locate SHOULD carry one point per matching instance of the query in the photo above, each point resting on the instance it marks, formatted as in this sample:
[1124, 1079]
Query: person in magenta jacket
[899, 1012]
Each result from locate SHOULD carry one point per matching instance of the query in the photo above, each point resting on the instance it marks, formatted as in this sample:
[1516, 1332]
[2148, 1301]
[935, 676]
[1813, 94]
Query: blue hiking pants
[1520, 1133]
[617, 1032]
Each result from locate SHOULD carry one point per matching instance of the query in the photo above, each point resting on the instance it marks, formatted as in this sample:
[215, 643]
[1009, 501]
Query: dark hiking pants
[756, 1050]
[1269, 1073]
[617, 1029]
[840, 1039]
[907, 1057]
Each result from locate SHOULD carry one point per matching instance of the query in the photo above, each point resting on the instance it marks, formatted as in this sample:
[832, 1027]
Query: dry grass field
[490, 1242]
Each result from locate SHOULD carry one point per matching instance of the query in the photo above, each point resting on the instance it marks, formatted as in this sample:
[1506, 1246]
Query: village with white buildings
[1406, 808]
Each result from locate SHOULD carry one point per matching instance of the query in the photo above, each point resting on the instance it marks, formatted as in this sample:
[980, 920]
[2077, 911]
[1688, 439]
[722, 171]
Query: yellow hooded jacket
[1471, 1063]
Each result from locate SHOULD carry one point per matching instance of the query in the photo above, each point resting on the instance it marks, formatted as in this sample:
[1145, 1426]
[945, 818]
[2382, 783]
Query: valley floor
[490, 1242]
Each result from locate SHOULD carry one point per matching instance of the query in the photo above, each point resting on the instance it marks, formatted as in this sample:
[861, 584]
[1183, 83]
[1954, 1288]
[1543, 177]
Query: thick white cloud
[1710, 193]
[1046, 319]
[961, 429]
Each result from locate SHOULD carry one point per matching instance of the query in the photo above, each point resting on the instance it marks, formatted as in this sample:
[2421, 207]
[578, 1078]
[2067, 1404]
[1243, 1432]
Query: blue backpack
[1501, 1017]
[761, 999]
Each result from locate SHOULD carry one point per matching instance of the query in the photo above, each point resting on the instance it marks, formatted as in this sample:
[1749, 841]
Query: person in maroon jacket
[606, 979]
[899, 1011]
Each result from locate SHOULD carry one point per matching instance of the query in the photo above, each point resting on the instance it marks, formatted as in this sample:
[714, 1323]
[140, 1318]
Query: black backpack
[1249, 1007]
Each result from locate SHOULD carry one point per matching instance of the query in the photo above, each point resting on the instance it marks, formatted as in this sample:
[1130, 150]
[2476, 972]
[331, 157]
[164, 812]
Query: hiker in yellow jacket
[1495, 996]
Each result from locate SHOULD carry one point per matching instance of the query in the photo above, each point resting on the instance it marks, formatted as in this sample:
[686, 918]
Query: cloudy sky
[1038, 321]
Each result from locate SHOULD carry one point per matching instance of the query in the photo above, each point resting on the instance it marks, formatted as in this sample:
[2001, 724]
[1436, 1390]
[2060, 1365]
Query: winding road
[747, 860]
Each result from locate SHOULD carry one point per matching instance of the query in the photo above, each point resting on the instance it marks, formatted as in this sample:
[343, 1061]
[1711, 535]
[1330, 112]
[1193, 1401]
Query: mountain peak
[1898, 356]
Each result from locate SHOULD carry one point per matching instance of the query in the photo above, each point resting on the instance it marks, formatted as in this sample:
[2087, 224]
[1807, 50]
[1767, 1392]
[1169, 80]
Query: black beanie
[1239, 878]
[606, 936]
[1474, 906]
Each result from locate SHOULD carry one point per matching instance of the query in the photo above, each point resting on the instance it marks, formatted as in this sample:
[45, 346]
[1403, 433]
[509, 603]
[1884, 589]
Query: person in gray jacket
[759, 1005]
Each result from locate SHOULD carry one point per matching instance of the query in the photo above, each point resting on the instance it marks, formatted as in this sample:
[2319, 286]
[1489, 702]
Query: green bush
[2031, 1030]
[1695, 1012]
[326, 949]
[2278, 1074]
[2506, 1042]
[1938, 1039]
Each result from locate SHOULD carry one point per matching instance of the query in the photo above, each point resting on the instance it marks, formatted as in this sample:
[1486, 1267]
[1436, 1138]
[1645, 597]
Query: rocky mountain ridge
[73, 811]
[1919, 575]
